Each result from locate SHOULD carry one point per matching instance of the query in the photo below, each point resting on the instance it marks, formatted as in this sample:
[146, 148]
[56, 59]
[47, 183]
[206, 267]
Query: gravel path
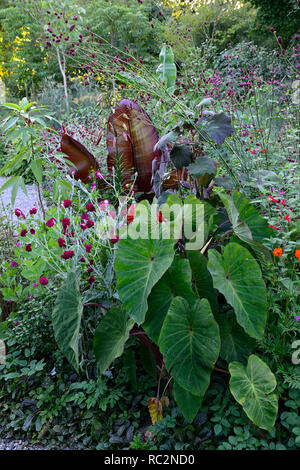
[9, 444]
[22, 202]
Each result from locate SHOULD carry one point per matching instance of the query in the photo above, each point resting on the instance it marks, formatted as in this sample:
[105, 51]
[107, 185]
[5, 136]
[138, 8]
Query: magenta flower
[61, 242]
[13, 264]
[89, 223]
[43, 281]
[68, 254]
[65, 222]
[88, 248]
[91, 279]
[32, 231]
[28, 247]
[33, 211]
[90, 207]
[23, 232]
[85, 217]
[114, 239]
[67, 203]
[19, 213]
[51, 222]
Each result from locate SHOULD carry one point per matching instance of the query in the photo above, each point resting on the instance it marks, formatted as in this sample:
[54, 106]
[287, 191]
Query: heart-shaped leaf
[202, 279]
[181, 155]
[177, 281]
[247, 223]
[252, 387]
[218, 127]
[237, 275]
[190, 343]
[66, 319]
[111, 336]
[236, 345]
[139, 265]
[189, 404]
[202, 166]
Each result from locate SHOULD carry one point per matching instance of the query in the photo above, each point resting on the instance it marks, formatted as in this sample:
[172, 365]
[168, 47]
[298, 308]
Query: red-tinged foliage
[132, 136]
[79, 156]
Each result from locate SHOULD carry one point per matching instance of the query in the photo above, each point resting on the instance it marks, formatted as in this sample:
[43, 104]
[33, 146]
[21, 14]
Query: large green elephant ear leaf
[66, 319]
[247, 213]
[189, 404]
[238, 277]
[139, 265]
[190, 343]
[202, 279]
[236, 345]
[248, 225]
[111, 336]
[252, 387]
[176, 282]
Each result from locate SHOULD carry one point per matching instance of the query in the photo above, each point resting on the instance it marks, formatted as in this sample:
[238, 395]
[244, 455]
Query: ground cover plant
[150, 296]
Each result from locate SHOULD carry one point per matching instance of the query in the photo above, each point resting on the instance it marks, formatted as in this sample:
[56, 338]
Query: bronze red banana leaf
[132, 136]
[79, 156]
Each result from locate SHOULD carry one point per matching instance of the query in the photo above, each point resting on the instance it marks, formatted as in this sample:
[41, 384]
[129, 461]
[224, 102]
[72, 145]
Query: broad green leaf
[247, 223]
[130, 367]
[167, 69]
[236, 345]
[252, 387]
[202, 279]
[8, 183]
[10, 123]
[204, 169]
[237, 275]
[139, 265]
[37, 169]
[176, 282]
[189, 404]
[195, 222]
[111, 336]
[11, 106]
[66, 319]
[190, 343]
[147, 360]
[247, 213]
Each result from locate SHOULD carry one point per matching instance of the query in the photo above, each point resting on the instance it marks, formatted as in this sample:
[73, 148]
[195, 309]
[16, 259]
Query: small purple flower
[13, 264]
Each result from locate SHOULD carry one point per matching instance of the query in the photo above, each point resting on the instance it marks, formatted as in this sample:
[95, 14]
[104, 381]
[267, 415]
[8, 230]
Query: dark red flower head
[67, 203]
[88, 248]
[65, 222]
[90, 207]
[68, 254]
[61, 242]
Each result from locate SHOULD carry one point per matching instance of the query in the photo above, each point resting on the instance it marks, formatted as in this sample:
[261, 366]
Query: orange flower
[277, 252]
[297, 254]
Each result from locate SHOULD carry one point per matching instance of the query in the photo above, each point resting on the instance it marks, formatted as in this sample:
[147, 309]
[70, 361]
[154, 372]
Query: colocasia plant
[188, 275]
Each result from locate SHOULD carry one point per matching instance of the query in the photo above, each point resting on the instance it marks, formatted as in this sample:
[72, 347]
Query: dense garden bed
[149, 296]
